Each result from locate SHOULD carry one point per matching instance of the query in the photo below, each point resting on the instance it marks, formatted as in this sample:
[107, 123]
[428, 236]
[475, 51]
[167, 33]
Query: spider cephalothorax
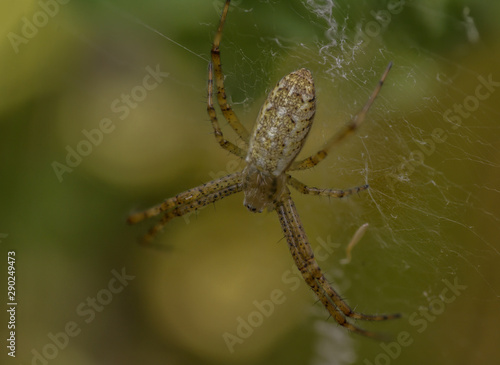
[261, 189]
[280, 132]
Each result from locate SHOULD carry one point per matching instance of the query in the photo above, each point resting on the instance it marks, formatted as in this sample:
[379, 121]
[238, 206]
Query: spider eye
[252, 208]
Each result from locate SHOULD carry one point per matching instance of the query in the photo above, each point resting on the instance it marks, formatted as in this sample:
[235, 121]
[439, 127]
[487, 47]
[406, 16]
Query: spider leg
[343, 133]
[219, 80]
[188, 196]
[308, 254]
[334, 193]
[310, 270]
[185, 208]
[231, 147]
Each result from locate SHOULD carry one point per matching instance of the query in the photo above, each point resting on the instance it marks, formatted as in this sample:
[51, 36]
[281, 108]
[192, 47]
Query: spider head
[261, 189]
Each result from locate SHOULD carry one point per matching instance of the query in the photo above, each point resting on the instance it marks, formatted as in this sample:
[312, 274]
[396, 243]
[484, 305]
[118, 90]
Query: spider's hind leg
[350, 128]
[215, 67]
[224, 143]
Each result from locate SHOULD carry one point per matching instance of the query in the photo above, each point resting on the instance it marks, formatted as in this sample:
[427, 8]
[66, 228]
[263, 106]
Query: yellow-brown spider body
[283, 123]
[281, 129]
[280, 132]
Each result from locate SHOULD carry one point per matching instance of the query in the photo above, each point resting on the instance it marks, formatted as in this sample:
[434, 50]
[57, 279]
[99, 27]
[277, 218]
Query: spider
[282, 126]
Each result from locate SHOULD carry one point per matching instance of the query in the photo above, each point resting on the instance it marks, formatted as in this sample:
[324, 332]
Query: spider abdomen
[283, 123]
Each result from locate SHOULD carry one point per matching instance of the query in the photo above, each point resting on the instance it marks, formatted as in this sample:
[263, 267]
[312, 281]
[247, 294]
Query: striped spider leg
[269, 151]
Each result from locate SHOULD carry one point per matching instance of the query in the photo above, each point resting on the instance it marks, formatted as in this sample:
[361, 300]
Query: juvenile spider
[281, 129]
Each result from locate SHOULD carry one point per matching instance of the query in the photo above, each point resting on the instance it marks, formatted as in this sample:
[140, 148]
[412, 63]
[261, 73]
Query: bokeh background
[433, 216]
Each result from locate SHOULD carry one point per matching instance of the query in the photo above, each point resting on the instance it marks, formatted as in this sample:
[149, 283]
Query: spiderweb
[429, 148]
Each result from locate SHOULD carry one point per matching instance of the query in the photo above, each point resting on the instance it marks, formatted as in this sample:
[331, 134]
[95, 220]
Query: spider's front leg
[303, 256]
[188, 201]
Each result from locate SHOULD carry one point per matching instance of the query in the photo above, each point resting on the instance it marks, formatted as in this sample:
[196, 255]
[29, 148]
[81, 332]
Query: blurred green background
[70, 68]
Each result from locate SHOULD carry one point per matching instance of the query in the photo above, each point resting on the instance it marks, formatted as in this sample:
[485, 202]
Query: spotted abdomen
[283, 123]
